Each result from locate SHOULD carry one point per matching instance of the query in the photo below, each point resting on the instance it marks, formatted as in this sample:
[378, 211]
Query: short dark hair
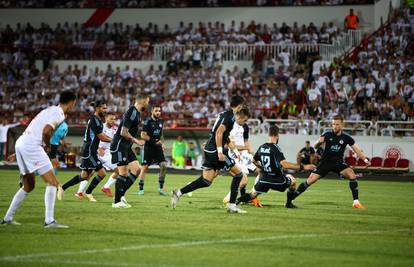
[98, 103]
[307, 142]
[274, 130]
[67, 97]
[141, 96]
[244, 111]
[236, 101]
[156, 106]
[338, 118]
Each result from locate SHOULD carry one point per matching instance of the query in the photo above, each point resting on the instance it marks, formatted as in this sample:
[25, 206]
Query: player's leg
[204, 180]
[161, 178]
[85, 176]
[290, 192]
[100, 175]
[106, 189]
[50, 197]
[28, 181]
[321, 170]
[120, 183]
[134, 170]
[234, 188]
[353, 185]
[144, 169]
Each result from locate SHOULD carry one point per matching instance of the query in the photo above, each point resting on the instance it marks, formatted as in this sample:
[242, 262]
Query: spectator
[194, 155]
[306, 155]
[351, 21]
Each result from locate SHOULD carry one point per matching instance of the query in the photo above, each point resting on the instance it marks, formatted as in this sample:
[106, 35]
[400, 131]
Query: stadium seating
[351, 161]
[403, 165]
[389, 163]
[376, 162]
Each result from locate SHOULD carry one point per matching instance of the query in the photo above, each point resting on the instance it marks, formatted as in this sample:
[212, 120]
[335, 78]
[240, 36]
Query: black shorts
[123, 157]
[153, 155]
[92, 163]
[324, 167]
[53, 151]
[211, 161]
[266, 183]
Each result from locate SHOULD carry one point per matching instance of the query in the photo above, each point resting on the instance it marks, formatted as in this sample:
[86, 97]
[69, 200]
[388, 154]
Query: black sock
[130, 181]
[141, 184]
[353, 185]
[95, 181]
[302, 188]
[75, 180]
[234, 187]
[119, 188]
[290, 195]
[242, 190]
[161, 181]
[196, 184]
[244, 198]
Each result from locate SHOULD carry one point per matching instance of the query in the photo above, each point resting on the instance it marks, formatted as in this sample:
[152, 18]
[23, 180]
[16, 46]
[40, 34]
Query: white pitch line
[188, 244]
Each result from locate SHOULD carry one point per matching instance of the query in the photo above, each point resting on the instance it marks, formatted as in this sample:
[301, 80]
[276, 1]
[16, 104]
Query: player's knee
[292, 179]
[28, 187]
[102, 173]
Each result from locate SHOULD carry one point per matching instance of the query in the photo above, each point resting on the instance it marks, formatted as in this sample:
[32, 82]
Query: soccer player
[104, 153]
[121, 149]
[239, 135]
[32, 157]
[216, 155]
[306, 155]
[90, 162]
[153, 149]
[271, 161]
[333, 160]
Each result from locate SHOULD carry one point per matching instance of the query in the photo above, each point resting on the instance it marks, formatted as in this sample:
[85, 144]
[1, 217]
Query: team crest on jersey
[160, 125]
[341, 142]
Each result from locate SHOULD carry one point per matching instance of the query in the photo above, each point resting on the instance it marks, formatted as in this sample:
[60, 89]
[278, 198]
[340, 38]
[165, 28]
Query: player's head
[274, 134]
[180, 138]
[100, 108]
[110, 119]
[242, 115]
[236, 102]
[142, 101]
[307, 144]
[67, 98]
[337, 123]
[156, 112]
[191, 144]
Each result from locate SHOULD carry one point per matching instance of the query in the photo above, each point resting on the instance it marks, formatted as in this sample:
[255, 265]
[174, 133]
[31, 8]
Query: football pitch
[324, 231]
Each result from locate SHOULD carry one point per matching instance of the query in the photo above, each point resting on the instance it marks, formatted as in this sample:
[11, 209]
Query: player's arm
[125, 134]
[219, 141]
[145, 136]
[320, 141]
[104, 138]
[257, 164]
[294, 166]
[47, 135]
[355, 147]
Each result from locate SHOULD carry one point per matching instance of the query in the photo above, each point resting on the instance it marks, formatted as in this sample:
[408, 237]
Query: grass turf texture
[324, 231]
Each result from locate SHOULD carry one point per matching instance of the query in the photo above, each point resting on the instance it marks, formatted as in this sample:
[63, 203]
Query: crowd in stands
[375, 84]
[169, 3]
[119, 41]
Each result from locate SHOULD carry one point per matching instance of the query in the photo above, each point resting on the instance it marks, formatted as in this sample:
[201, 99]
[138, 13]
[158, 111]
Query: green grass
[324, 231]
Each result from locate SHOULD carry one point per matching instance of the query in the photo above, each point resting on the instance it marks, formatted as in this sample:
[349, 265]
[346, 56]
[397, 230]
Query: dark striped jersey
[335, 145]
[225, 118]
[131, 120]
[269, 156]
[154, 130]
[90, 139]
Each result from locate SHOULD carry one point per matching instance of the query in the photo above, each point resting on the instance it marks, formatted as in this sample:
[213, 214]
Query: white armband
[236, 152]
[366, 160]
[220, 150]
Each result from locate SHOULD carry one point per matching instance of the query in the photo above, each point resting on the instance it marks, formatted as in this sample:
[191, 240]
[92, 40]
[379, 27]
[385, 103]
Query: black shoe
[290, 206]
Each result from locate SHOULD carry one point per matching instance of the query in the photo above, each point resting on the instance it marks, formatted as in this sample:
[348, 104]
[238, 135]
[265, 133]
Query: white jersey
[52, 116]
[110, 132]
[237, 134]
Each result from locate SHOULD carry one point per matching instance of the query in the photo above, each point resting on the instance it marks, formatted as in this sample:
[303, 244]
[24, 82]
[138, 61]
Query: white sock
[15, 204]
[231, 205]
[110, 182]
[82, 186]
[356, 201]
[227, 197]
[179, 194]
[50, 198]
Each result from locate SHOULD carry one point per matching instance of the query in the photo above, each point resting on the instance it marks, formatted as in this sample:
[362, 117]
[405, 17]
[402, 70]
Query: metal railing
[303, 127]
[341, 46]
[351, 127]
[389, 128]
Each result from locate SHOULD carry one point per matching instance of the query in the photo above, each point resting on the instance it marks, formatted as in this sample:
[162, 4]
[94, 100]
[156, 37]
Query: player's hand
[309, 167]
[163, 147]
[221, 157]
[367, 162]
[11, 157]
[138, 142]
[47, 149]
[158, 142]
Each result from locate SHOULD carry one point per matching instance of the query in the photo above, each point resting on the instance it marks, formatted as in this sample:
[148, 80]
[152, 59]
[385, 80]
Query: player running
[121, 150]
[271, 161]
[104, 153]
[32, 157]
[90, 162]
[153, 149]
[335, 141]
[216, 155]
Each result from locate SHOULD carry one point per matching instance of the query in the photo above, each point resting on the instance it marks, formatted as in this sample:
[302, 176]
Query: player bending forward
[332, 159]
[32, 157]
[271, 161]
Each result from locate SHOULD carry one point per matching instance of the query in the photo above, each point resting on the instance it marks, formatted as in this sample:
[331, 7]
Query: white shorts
[106, 160]
[31, 158]
[245, 163]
